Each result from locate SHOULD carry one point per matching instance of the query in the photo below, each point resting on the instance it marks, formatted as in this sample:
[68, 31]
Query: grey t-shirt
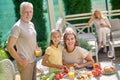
[26, 39]
[77, 56]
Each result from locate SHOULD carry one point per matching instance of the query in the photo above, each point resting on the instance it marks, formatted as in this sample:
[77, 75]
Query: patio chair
[89, 36]
[115, 33]
[7, 71]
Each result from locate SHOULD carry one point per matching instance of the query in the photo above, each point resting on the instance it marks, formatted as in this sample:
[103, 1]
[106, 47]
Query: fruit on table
[59, 76]
[69, 65]
[96, 72]
[96, 65]
[66, 71]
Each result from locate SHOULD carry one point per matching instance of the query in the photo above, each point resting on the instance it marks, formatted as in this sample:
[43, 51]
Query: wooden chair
[115, 35]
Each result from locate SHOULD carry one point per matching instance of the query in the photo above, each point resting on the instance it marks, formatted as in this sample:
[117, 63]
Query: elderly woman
[72, 53]
[102, 25]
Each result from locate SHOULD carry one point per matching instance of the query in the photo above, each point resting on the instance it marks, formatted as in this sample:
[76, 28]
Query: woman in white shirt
[102, 25]
[74, 54]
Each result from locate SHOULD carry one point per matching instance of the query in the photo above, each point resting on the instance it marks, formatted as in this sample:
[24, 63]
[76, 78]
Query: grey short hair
[25, 4]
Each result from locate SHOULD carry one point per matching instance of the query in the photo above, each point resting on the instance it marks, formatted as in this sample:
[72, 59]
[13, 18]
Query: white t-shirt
[26, 39]
[77, 56]
[98, 23]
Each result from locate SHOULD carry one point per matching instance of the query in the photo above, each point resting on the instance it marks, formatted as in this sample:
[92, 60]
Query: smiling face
[70, 41]
[26, 13]
[55, 38]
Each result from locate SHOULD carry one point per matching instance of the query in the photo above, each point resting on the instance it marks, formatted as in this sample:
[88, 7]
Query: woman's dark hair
[53, 32]
[67, 32]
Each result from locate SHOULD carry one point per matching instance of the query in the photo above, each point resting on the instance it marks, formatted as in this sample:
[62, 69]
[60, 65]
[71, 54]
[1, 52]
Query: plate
[109, 70]
[109, 73]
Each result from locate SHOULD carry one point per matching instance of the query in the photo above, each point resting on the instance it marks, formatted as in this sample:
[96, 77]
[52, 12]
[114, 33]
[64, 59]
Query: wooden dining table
[114, 76]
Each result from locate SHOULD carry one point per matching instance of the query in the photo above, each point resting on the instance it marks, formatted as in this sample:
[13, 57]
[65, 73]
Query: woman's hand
[91, 20]
[77, 66]
[93, 16]
[104, 25]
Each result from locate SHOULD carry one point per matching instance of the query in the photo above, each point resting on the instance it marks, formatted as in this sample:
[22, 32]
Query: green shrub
[77, 7]
[4, 54]
[84, 44]
[115, 6]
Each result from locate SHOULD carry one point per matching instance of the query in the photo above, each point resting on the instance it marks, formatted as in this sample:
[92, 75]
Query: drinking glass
[111, 56]
[71, 75]
[38, 52]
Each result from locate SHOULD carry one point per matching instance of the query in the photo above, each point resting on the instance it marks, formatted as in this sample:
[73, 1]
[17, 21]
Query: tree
[115, 5]
[38, 19]
[77, 7]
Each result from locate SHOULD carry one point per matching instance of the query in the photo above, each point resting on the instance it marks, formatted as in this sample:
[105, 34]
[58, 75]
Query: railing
[65, 20]
[87, 15]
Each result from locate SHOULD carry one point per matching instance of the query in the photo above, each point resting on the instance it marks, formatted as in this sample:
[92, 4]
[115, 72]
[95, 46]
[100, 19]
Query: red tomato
[61, 75]
[96, 72]
[57, 77]
[66, 71]
[99, 67]
[99, 72]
